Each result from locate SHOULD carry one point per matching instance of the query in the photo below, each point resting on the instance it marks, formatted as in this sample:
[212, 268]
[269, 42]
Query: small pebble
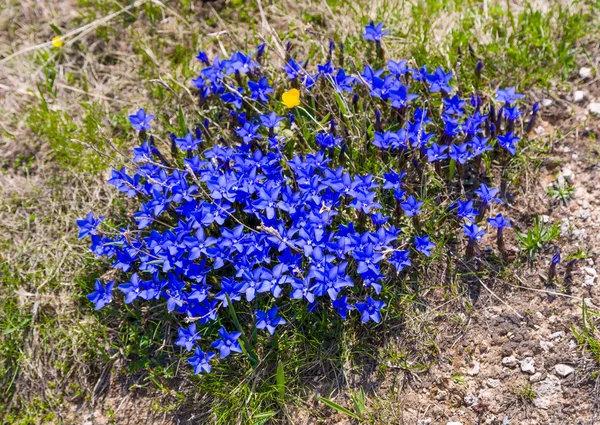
[564, 370]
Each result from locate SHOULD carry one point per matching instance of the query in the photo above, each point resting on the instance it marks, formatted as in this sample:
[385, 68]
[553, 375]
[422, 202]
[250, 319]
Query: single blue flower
[374, 32]
[342, 307]
[411, 206]
[439, 81]
[400, 260]
[271, 120]
[460, 153]
[187, 143]
[88, 225]
[260, 89]
[465, 210]
[509, 142]
[227, 343]
[200, 361]
[472, 231]
[140, 121]
[187, 337]
[508, 96]
[488, 195]
[370, 310]
[132, 289]
[101, 295]
[424, 245]
[454, 105]
[436, 152]
[268, 320]
[499, 222]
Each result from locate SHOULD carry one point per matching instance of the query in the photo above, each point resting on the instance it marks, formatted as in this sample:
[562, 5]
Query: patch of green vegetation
[588, 334]
[537, 238]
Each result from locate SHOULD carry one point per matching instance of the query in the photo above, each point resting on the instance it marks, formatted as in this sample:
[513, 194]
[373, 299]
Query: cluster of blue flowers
[239, 221]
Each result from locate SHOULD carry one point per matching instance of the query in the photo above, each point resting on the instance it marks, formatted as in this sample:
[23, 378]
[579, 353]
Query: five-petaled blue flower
[102, 295]
[187, 337]
[472, 231]
[499, 222]
[374, 32]
[140, 121]
[424, 245]
[268, 319]
[200, 361]
[370, 310]
[227, 343]
[88, 225]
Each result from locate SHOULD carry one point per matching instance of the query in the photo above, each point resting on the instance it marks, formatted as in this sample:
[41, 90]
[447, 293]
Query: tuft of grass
[537, 238]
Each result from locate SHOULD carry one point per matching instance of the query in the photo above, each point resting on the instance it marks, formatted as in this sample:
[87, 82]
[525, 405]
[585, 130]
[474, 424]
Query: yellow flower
[57, 41]
[291, 98]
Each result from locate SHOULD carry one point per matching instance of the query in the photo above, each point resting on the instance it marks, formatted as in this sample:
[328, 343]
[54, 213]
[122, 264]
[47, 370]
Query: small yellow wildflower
[291, 98]
[57, 41]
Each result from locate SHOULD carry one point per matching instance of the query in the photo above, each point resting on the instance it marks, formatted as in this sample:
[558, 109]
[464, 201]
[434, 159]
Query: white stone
[589, 280]
[578, 96]
[545, 218]
[585, 72]
[546, 102]
[493, 383]
[557, 336]
[510, 361]
[473, 371]
[528, 365]
[590, 271]
[564, 370]
[546, 346]
[426, 421]
[536, 377]
[548, 392]
[594, 108]
[471, 399]
[454, 423]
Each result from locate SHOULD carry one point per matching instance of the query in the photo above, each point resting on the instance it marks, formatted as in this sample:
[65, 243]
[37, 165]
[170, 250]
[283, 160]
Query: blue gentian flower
[411, 206]
[227, 343]
[140, 121]
[374, 32]
[268, 320]
[508, 96]
[370, 310]
[472, 231]
[454, 105]
[235, 97]
[509, 142]
[132, 289]
[102, 295]
[465, 210]
[342, 307]
[271, 120]
[400, 260]
[436, 152]
[439, 81]
[460, 153]
[397, 68]
[88, 226]
[260, 90]
[499, 222]
[200, 361]
[424, 245]
[187, 337]
[488, 195]
[189, 142]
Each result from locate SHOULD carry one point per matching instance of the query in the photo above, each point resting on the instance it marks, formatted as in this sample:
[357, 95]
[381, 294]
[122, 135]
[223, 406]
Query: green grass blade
[337, 407]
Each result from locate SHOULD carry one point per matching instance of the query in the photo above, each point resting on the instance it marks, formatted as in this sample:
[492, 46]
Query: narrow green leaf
[337, 407]
[280, 378]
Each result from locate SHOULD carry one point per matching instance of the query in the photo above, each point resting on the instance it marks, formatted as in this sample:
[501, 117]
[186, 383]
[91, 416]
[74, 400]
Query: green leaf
[280, 378]
[182, 127]
[56, 30]
[337, 407]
